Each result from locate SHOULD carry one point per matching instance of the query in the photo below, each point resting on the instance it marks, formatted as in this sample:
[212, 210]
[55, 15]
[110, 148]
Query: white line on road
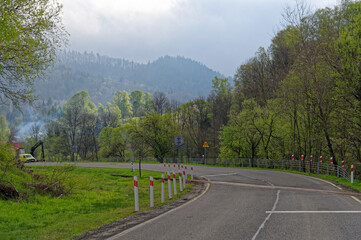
[356, 199]
[216, 175]
[270, 212]
[268, 216]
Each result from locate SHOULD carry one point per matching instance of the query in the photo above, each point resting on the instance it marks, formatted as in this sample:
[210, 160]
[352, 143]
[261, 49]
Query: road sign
[205, 145]
[178, 141]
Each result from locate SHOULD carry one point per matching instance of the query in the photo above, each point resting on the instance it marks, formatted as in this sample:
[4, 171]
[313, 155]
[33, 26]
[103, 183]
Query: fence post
[136, 199]
[162, 194]
[351, 173]
[151, 188]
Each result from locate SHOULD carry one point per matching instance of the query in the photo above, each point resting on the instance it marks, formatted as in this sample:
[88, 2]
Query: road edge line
[157, 217]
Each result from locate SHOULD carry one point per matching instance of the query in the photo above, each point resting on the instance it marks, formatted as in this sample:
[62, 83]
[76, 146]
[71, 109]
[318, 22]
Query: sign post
[205, 146]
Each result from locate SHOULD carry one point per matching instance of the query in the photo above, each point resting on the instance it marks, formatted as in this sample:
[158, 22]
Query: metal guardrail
[315, 167]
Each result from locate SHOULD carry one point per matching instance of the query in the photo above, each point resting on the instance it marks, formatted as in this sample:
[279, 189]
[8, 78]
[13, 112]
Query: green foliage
[30, 33]
[122, 100]
[156, 131]
[112, 142]
[4, 129]
[97, 198]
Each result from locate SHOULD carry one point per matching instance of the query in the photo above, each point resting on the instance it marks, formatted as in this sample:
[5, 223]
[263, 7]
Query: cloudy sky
[221, 34]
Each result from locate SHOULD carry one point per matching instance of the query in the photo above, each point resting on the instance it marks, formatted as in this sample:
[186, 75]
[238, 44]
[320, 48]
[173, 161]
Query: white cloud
[221, 34]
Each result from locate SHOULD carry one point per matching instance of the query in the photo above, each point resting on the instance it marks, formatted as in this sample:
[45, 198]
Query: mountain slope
[180, 78]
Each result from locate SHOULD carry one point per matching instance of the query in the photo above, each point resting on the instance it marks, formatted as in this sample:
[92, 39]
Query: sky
[222, 34]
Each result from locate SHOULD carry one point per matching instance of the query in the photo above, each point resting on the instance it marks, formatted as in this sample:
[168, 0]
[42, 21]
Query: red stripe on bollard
[352, 169]
[320, 158]
[343, 163]
[331, 160]
[151, 183]
[135, 183]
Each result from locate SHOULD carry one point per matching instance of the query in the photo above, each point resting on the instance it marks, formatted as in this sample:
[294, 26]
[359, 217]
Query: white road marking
[356, 199]
[268, 216]
[216, 175]
[270, 212]
[156, 218]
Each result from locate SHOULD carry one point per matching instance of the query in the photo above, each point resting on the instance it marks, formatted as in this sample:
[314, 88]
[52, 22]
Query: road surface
[255, 204]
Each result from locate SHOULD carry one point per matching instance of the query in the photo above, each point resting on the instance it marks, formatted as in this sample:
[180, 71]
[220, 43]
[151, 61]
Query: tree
[74, 109]
[113, 142]
[4, 129]
[121, 99]
[157, 131]
[160, 103]
[30, 33]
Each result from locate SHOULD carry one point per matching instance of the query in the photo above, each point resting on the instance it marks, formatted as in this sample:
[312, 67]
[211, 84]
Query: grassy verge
[96, 198]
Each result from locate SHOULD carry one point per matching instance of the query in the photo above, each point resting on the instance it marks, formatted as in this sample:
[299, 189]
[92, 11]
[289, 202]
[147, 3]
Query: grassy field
[96, 198]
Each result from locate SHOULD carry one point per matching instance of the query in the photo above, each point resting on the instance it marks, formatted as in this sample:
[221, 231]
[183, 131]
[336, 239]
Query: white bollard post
[132, 167]
[151, 183]
[343, 168]
[162, 189]
[351, 173]
[184, 179]
[136, 199]
[174, 183]
[180, 180]
[169, 187]
[192, 172]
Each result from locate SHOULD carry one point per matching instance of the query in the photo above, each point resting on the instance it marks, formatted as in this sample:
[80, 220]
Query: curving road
[255, 204]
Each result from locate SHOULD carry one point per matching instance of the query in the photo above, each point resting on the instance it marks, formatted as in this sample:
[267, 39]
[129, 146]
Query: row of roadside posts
[331, 162]
[182, 173]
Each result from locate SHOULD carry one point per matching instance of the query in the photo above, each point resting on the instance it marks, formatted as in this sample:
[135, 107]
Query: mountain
[180, 78]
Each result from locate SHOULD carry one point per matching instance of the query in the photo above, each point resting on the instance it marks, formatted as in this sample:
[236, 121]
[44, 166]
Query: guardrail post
[184, 179]
[162, 194]
[136, 198]
[151, 188]
[169, 187]
[175, 183]
[180, 181]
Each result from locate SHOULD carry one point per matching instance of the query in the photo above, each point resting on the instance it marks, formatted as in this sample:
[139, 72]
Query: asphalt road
[255, 204]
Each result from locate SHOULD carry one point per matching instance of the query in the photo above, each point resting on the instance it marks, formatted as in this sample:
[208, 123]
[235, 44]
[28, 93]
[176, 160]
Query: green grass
[97, 198]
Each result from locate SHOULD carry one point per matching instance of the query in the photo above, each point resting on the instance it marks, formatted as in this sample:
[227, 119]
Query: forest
[301, 95]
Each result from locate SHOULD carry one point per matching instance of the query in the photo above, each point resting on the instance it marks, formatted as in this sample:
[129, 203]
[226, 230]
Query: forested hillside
[180, 78]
